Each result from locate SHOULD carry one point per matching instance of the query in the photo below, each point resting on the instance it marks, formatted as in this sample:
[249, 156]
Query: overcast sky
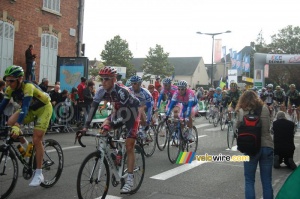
[173, 24]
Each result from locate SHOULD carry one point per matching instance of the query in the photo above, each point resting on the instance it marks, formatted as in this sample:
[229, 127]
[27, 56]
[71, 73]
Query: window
[52, 5]
[7, 34]
[48, 59]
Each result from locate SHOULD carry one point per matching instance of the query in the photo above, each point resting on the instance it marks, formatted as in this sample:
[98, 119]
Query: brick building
[54, 27]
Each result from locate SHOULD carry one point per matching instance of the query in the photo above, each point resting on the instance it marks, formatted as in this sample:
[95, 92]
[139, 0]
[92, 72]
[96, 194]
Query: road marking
[212, 129]
[111, 197]
[202, 125]
[178, 170]
[233, 148]
[200, 136]
[65, 148]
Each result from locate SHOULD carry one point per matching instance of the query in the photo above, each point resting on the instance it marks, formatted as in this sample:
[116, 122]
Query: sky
[173, 24]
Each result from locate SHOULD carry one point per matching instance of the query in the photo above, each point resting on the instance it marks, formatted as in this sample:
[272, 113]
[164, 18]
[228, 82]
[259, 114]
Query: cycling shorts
[43, 116]
[296, 102]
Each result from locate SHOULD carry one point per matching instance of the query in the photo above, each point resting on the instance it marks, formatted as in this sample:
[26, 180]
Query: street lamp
[212, 53]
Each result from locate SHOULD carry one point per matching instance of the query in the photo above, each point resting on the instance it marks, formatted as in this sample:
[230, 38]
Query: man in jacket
[283, 141]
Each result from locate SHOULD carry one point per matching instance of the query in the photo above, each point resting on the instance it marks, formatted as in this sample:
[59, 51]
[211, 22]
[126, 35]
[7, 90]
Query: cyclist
[293, 99]
[155, 95]
[232, 97]
[217, 97]
[128, 83]
[279, 96]
[146, 102]
[125, 106]
[189, 102]
[269, 94]
[34, 104]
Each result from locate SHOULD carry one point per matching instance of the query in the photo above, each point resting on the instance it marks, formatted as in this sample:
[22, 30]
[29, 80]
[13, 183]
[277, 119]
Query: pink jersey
[185, 99]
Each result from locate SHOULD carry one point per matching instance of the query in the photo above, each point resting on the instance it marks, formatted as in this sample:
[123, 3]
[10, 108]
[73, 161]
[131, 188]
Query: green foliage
[156, 63]
[94, 71]
[287, 41]
[117, 53]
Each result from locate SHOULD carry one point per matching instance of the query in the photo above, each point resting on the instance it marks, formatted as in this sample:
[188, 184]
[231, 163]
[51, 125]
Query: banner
[218, 48]
[282, 59]
[233, 60]
[238, 62]
[247, 64]
[232, 76]
[266, 74]
[224, 53]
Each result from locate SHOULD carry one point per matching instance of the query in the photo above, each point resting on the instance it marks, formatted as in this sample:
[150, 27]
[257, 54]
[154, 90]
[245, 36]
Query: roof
[185, 66]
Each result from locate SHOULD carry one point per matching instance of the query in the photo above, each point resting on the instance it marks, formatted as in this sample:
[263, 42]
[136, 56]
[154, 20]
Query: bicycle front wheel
[216, 119]
[138, 169]
[88, 184]
[191, 145]
[230, 136]
[161, 136]
[53, 163]
[222, 122]
[149, 144]
[174, 147]
[9, 173]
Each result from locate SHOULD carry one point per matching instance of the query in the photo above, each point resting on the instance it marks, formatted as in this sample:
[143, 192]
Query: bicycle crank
[114, 182]
[27, 173]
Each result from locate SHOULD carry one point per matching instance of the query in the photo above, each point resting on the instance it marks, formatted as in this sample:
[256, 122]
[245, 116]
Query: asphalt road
[163, 180]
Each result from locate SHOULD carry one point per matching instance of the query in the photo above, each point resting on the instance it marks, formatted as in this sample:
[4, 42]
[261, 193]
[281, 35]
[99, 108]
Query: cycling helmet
[167, 81]
[270, 86]
[218, 89]
[292, 86]
[135, 78]
[15, 71]
[254, 88]
[211, 89]
[150, 86]
[108, 71]
[182, 83]
[128, 83]
[278, 87]
[233, 85]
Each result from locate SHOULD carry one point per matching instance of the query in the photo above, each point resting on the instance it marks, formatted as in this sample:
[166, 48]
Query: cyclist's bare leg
[142, 116]
[130, 142]
[39, 148]
[176, 111]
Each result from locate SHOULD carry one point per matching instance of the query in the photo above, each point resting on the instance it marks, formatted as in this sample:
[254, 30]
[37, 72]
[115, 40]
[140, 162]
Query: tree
[94, 70]
[117, 53]
[287, 41]
[156, 63]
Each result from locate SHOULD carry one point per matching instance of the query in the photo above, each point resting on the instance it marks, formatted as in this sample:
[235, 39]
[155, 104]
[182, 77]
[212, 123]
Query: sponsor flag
[224, 53]
[247, 64]
[233, 60]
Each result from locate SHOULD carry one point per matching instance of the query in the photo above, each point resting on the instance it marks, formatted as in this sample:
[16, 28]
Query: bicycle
[223, 118]
[177, 138]
[93, 177]
[216, 115]
[294, 117]
[231, 133]
[52, 164]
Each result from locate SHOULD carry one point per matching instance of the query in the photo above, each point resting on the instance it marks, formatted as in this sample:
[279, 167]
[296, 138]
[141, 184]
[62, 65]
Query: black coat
[284, 134]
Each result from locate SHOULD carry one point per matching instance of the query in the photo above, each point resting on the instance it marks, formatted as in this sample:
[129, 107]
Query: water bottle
[119, 158]
[21, 150]
[29, 150]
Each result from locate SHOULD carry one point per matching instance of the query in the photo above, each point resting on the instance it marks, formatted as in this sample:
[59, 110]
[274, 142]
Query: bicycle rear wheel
[88, 184]
[222, 121]
[174, 146]
[138, 169]
[8, 173]
[149, 144]
[192, 146]
[216, 119]
[53, 163]
[161, 136]
[230, 136]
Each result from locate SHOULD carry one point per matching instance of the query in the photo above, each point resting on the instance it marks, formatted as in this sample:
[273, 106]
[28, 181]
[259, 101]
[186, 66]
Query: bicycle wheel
[222, 122]
[192, 146]
[138, 169]
[9, 172]
[149, 144]
[216, 119]
[53, 163]
[174, 147]
[88, 184]
[230, 136]
[161, 136]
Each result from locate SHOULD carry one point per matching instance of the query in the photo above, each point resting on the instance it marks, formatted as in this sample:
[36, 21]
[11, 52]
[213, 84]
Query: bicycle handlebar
[81, 133]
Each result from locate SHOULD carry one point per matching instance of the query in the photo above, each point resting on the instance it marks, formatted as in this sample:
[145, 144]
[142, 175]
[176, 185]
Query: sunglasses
[105, 79]
[134, 83]
[181, 89]
[11, 80]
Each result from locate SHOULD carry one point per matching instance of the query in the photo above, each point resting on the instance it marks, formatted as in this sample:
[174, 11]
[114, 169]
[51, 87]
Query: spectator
[250, 101]
[283, 141]
[199, 94]
[55, 95]
[88, 95]
[63, 96]
[74, 99]
[33, 70]
[2, 86]
[44, 84]
[80, 88]
[157, 83]
[29, 61]
[57, 83]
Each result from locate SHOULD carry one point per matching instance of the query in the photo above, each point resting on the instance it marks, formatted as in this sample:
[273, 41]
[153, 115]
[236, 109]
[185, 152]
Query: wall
[30, 20]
